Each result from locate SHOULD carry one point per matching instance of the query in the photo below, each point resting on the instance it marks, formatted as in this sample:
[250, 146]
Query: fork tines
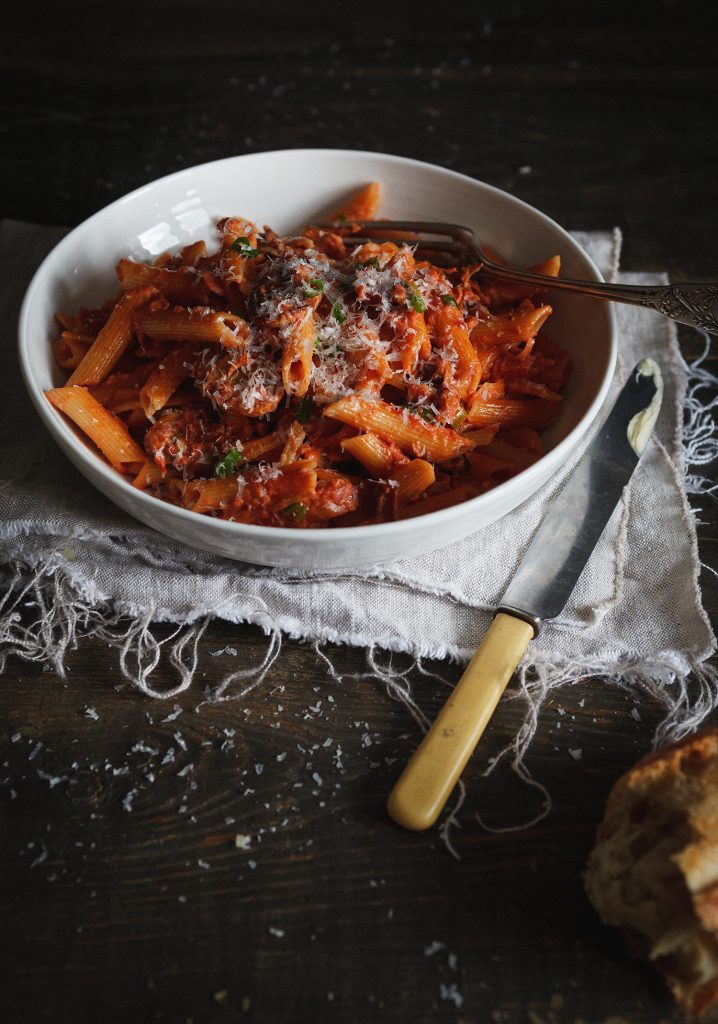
[451, 238]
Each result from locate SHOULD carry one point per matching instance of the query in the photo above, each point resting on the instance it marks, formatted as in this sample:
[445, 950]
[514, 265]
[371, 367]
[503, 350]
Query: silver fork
[453, 245]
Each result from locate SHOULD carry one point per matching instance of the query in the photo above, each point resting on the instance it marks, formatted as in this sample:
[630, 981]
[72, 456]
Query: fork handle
[693, 304]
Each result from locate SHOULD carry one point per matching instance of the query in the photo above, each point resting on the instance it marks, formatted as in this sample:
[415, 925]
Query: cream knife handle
[418, 798]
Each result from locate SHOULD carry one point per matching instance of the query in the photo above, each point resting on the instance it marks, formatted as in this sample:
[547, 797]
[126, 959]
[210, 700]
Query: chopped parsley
[304, 409]
[416, 300]
[296, 511]
[338, 313]
[373, 262]
[449, 300]
[421, 410]
[313, 287]
[242, 246]
[459, 419]
[231, 462]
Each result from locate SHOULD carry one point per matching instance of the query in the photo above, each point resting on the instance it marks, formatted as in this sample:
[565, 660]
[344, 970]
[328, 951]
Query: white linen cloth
[635, 616]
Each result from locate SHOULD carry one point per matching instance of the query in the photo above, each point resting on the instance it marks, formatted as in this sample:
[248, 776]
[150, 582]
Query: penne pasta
[511, 328]
[207, 495]
[113, 339]
[200, 324]
[165, 379]
[413, 478]
[295, 439]
[373, 453]
[519, 412]
[298, 333]
[183, 286]
[70, 349]
[103, 427]
[362, 206]
[410, 432]
[261, 446]
[150, 473]
[459, 366]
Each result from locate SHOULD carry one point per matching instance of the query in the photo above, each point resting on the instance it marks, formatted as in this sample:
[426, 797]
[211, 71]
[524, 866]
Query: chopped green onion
[338, 313]
[304, 409]
[373, 262]
[317, 343]
[314, 286]
[421, 410]
[459, 419]
[415, 298]
[449, 300]
[296, 511]
[242, 246]
[229, 464]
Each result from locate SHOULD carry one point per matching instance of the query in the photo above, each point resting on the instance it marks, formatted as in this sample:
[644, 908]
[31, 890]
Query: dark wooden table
[331, 914]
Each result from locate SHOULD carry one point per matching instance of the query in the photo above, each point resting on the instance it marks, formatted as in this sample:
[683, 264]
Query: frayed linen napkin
[635, 617]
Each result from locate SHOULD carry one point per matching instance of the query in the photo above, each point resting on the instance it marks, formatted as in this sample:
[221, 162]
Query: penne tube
[150, 473]
[379, 251]
[413, 479]
[112, 340]
[519, 412]
[123, 400]
[396, 379]
[414, 340]
[105, 429]
[374, 453]
[503, 293]
[192, 253]
[239, 252]
[260, 446]
[491, 390]
[410, 432]
[460, 366]
[484, 435]
[200, 324]
[183, 287]
[70, 349]
[118, 383]
[162, 383]
[511, 328]
[520, 386]
[362, 206]
[295, 440]
[172, 489]
[208, 495]
[298, 332]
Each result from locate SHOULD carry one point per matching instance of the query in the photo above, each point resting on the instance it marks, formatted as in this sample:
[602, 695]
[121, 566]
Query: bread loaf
[653, 871]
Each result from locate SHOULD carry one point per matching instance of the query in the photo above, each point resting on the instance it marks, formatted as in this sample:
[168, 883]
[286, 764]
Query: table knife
[542, 585]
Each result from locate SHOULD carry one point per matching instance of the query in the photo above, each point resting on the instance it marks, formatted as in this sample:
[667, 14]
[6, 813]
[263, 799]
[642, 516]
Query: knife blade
[542, 584]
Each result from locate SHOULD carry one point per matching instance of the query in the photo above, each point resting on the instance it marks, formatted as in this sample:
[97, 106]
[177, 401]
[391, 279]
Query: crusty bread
[653, 871]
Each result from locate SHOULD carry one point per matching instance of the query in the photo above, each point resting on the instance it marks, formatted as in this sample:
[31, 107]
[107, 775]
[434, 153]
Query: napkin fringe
[44, 613]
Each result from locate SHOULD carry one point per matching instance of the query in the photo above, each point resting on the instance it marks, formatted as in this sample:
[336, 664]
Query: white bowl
[286, 189]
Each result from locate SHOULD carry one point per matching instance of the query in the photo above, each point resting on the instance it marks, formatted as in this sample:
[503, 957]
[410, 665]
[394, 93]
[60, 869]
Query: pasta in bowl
[295, 399]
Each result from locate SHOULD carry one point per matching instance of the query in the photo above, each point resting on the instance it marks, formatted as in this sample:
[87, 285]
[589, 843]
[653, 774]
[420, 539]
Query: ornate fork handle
[692, 304]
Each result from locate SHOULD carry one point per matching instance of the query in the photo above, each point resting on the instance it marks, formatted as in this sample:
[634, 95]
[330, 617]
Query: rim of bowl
[52, 419]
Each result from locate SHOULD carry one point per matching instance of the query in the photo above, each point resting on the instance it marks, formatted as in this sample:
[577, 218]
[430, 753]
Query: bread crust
[653, 871]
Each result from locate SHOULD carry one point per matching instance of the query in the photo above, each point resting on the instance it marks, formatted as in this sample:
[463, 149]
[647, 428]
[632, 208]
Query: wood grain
[124, 895]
